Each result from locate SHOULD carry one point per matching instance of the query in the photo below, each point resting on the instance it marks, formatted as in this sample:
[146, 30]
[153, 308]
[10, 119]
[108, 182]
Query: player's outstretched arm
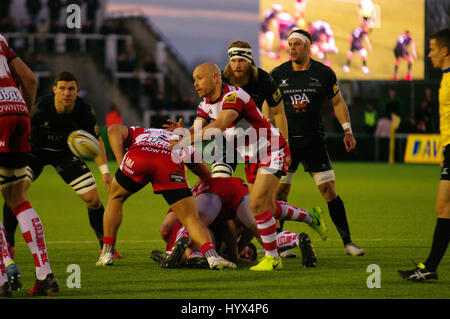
[117, 135]
[25, 79]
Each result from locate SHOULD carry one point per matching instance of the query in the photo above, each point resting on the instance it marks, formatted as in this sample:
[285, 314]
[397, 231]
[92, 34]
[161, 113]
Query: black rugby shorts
[311, 151]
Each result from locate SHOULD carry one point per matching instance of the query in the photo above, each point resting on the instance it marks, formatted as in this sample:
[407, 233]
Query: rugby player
[15, 106]
[54, 117]
[322, 40]
[220, 200]
[149, 159]
[356, 38]
[242, 71]
[440, 58]
[404, 41]
[306, 85]
[230, 110]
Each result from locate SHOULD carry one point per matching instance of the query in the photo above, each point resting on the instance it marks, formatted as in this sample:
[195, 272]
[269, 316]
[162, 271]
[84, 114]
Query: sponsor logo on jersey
[335, 88]
[231, 98]
[277, 95]
[315, 82]
[10, 94]
[176, 178]
[129, 162]
[283, 82]
[299, 102]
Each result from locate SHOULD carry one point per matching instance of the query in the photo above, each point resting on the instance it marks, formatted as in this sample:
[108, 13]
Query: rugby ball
[83, 144]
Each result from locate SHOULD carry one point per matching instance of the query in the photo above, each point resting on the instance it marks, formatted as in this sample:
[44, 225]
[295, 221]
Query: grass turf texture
[391, 215]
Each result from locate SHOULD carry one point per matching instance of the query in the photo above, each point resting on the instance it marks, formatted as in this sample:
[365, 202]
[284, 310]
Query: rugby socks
[209, 251]
[3, 276]
[287, 240]
[96, 221]
[287, 211]
[183, 232]
[6, 257]
[339, 218]
[10, 224]
[441, 239]
[108, 245]
[33, 232]
[267, 228]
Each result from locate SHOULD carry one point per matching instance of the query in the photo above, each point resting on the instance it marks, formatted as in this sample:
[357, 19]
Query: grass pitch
[391, 215]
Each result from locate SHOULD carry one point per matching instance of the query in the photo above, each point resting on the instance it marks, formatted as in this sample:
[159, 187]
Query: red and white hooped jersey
[11, 101]
[250, 130]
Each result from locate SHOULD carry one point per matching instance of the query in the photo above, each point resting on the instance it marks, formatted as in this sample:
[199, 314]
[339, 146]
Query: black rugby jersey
[49, 130]
[304, 93]
[264, 88]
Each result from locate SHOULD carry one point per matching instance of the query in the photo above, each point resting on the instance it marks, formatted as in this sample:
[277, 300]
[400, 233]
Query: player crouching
[167, 175]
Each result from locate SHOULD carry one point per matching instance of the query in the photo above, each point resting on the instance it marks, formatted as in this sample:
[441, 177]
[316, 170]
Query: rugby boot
[420, 273]
[14, 278]
[318, 223]
[353, 250]
[45, 287]
[309, 257]
[173, 259]
[267, 263]
[5, 290]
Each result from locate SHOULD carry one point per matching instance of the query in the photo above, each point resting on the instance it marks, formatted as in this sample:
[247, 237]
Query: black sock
[409, 67]
[10, 223]
[441, 239]
[339, 218]
[96, 221]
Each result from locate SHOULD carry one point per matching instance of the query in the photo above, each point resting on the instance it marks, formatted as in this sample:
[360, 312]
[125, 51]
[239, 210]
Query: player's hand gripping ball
[83, 144]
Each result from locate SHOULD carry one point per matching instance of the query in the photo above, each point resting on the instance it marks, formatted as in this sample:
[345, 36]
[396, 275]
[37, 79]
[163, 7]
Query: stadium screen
[377, 27]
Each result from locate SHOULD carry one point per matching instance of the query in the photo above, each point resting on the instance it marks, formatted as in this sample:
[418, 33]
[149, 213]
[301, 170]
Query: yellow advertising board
[423, 148]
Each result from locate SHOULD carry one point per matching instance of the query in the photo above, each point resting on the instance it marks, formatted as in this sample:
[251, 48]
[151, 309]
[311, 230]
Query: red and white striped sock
[287, 211]
[183, 232]
[267, 228]
[3, 276]
[33, 233]
[287, 240]
[108, 245]
[4, 247]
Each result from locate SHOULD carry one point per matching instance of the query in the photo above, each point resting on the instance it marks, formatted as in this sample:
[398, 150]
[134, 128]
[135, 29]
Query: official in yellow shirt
[440, 58]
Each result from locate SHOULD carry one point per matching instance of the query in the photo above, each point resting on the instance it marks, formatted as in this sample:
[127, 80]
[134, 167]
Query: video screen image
[358, 39]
